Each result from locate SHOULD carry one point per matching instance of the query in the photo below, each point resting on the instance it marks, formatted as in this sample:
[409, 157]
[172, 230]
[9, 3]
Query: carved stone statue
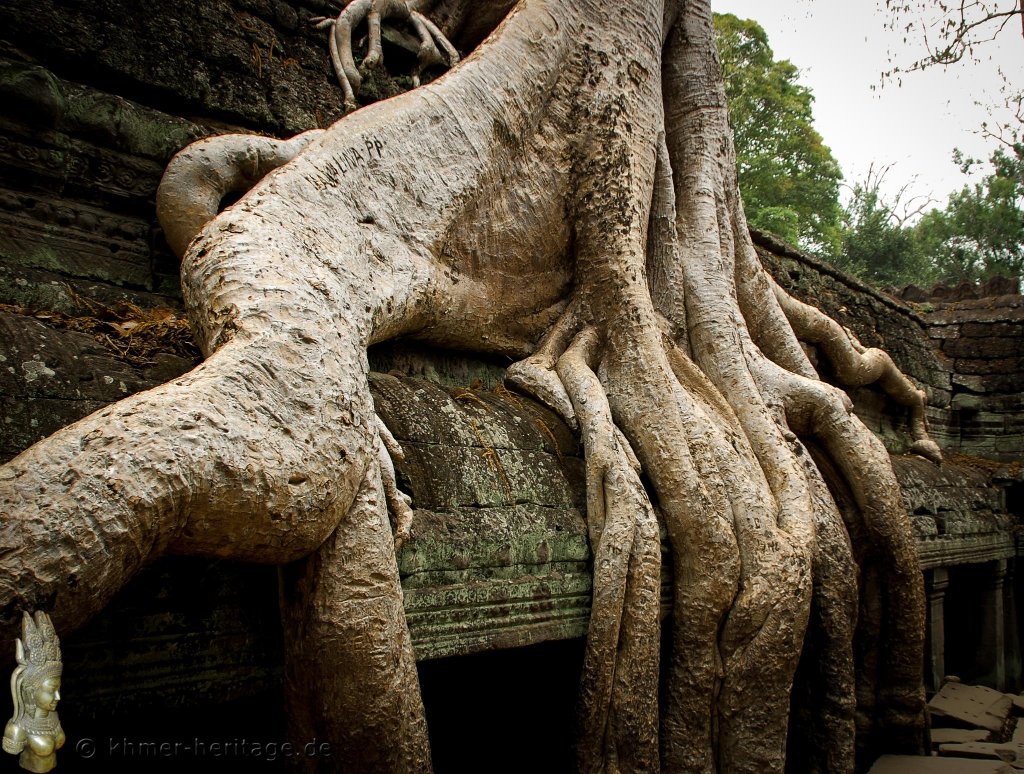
[34, 730]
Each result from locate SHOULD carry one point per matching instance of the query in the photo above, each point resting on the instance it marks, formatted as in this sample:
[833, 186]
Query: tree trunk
[566, 196]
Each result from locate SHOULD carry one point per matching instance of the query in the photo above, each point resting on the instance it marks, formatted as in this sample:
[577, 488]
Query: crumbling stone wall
[967, 353]
[983, 340]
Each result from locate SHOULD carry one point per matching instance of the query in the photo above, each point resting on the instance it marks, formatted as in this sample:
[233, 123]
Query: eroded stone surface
[50, 378]
[942, 736]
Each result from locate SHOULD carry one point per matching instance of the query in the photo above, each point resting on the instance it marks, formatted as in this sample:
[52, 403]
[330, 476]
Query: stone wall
[983, 341]
[96, 99]
[967, 354]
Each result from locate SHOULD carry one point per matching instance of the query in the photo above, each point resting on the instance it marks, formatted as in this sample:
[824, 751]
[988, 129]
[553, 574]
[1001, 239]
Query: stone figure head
[34, 731]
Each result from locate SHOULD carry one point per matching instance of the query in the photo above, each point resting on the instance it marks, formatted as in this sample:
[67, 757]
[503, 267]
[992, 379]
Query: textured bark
[567, 197]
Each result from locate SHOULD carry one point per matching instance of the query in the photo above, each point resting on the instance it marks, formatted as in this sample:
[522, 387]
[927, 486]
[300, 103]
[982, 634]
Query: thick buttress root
[189, 197]
[762, 560]
[348, 649]
[756, 608]
[146, 465]
[618, 697]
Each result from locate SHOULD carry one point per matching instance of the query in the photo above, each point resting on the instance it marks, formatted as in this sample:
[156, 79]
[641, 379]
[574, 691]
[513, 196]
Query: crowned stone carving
[34, 731]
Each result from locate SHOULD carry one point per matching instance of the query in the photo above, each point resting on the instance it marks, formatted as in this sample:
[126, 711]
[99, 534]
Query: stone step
[916, 764]
[1008, 752]
[958, 735]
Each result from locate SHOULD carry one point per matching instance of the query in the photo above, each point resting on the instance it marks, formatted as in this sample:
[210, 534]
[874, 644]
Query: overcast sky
[841, 48]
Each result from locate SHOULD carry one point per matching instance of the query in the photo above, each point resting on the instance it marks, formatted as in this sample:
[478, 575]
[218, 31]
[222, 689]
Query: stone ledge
[972, 549]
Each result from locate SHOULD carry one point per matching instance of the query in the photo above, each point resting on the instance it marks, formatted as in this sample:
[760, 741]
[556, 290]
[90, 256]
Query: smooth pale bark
[567, 197]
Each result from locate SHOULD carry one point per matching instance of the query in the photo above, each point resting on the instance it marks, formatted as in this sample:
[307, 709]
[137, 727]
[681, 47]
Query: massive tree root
[567, 197]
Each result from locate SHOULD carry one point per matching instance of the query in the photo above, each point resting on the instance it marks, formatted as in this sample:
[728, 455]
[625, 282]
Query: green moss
[121, 125]
[31, 92]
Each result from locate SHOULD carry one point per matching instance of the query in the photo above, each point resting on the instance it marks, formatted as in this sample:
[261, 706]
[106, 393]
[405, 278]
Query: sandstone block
[974, 705]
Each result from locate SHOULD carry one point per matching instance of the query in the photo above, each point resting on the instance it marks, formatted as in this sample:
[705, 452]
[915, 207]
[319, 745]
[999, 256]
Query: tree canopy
[980, 232]
[876, 245]
[788, 176]
[790, 180]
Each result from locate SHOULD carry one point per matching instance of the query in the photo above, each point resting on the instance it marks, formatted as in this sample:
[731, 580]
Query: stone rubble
[968, 723]
[973, 705]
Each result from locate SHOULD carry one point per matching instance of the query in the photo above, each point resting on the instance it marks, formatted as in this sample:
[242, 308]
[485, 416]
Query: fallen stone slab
[918, 764]
[1018, 703]
[974, 705]
[958, 735]
[1018, 732]
[1008, 752]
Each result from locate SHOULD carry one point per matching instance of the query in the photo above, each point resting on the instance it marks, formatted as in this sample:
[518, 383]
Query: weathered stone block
[258, 66]
[972, 704]
[991, 330]
[986, 367]
[951, 331]
[958, 735]
[987, 348]
[50, 378]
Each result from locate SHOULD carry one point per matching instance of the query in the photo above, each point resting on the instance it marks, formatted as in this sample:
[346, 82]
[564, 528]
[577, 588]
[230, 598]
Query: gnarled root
[399, 504]
[188, 198]
[763, 565]
[374, 12]
[734, 627]
[890, 691]
[348, 651]
[618, 697]
[225, 462]
[536, 375]
[198, 177]
[857, 365]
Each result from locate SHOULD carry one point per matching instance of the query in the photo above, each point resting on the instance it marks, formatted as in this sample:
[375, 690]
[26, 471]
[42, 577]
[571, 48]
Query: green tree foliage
[980, 233]
[876, 245]
[790, 181]
[977, 235]
[788, 177]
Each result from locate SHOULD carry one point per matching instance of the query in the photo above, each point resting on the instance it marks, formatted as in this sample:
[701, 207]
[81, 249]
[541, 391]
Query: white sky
[842, 47]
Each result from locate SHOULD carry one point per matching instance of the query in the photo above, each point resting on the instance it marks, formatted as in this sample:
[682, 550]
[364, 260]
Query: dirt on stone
[131, 333]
